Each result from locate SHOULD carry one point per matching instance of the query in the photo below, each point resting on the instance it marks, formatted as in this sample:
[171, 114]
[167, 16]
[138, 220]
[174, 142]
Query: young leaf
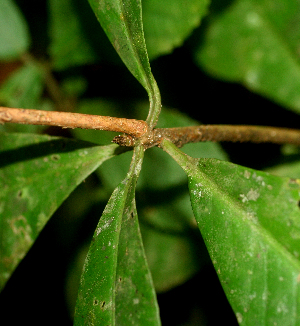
[122, 23]
[116, 286]
[250, 221]
[256, 43]
[37, 174]
[14, 36]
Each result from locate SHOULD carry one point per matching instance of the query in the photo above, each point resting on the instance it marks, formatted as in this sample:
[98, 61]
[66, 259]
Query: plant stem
[227, 133]
[155, 104]
[136, 128]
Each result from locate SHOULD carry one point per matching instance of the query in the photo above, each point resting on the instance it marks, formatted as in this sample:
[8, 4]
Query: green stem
[155, 104]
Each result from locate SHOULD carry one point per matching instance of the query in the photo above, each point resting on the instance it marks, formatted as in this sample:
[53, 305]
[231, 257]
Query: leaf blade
[116, 286]
[122, 23]
[250, 222]
[254, 43]
[33, 166]
[167, 24]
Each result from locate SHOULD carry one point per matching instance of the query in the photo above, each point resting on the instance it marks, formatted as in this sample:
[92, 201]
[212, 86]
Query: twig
[226, 133]
[136, 128]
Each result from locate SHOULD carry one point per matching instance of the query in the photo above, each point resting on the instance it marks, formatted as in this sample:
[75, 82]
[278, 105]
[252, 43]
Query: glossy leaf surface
[255, 43]
[116, 286]
[122, 23]
[14, 37]
[37, 174]
[250, 221]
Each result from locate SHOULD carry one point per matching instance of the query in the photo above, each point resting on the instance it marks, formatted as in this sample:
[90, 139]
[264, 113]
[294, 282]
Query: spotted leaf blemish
[251, 195]
[247, 174]
[105, 226]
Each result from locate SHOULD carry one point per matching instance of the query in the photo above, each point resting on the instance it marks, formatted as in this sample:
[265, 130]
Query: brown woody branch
[228, 133]
[132, 127]
[138, 129]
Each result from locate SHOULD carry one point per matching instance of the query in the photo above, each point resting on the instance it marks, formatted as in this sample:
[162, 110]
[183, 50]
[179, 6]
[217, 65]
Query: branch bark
[138, 129]
[133, 127]
[228, 133]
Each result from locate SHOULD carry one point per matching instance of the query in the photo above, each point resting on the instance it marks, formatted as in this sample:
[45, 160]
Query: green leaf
[69, 45]
[168, 224]
[116, 286]
[122, 23]
[256, 43]
[168, 23]
[14, 36]
[37, 174]
[250, 221]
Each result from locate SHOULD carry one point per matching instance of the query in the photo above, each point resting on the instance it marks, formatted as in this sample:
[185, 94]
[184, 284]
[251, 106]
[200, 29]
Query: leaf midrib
[261, 231]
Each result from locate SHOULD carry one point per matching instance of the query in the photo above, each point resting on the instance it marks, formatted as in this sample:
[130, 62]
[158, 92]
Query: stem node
[134, 130]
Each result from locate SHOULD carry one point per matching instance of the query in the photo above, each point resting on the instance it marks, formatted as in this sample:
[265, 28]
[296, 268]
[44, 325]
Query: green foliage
[116, 286]
[29, 164]
[256, 43]
[167, 24]
[249, 219]
[122, 22]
